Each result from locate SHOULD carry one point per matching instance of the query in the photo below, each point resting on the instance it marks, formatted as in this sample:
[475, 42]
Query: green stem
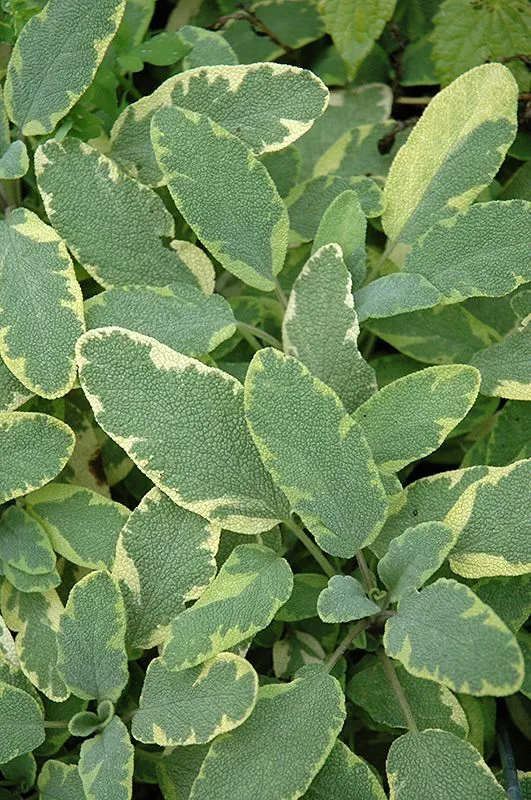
[250, 339]
[56, 723]
[397, 689]
[510, 774]
[365, 571]
[319, 556]
[343, 646]
[266, 337]
[281, 295]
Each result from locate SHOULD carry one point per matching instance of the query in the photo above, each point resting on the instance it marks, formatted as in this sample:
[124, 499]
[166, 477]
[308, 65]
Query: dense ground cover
[265, 438]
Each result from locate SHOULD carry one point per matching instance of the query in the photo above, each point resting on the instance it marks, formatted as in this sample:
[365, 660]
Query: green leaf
[194, 706]
[24, 544]
[208, 48]
[84, 193]
[26, 582]
[22, 723]
[232, 96]
[432, 705]
[345, 775]
[357, 151]
[165, 557]
[302, 604]
[345, 223]
[244, 597]
[22, 771]
[178, 769]
[106, 764]
[12, 393]
[397, 293]
[179, 316]
[422, 637]
[59, 508]
[10, 668]
[287, 737]
[321, 328]
[296, 421]
[284, 168]
[91, 639]
[239, 217]
[308, 201]
[14, 163]
[60, 781]
[509, 597]
[40, 325]
[452, 153]
[411, 417]
[34, 448]
[55, 59]
[491, 525]
[414, 556]
[84, 724]
[504, 366]
[186, 408]
[354, 26]
[466, 34]
[344, 600]
[438, 759]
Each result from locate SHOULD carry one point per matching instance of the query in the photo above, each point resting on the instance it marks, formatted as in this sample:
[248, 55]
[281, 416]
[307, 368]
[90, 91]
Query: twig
[343, 646]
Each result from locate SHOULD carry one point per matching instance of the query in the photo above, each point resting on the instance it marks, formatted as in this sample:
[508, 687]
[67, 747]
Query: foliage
[265, 384]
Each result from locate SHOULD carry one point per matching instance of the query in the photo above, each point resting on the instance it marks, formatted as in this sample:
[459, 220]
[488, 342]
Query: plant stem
[266, 337]
[365, 571]
[342, 647]
[56, 723]
[510, 774]
[397, 689]
[250, 339]
[319, 556]
[281, 295]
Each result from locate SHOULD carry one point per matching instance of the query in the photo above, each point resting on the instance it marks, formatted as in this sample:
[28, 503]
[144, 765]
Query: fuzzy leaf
[22, 723]
[452, 153]
[60, 781]
[233, 97]
[411, 417]
[14, 163]
[244, 597]
[488, 663]
[33, 450]
[397, 293]
[414, 556]
[12, 393]
[491, 523]
[179, 316]
[344, 600]
[448, 765]
[40, 325]
[59, 508]
[55, 59]
[84, 193]
[91, 639]
[344, 223]
[321, 328]
[432, 705]
[186, 408]
[288, 737]
[106, 764]
[165, 557]
[345, 775]
[504, 366]
[24, 544]
[296, 421]
[239, 217]
[302, 604]
[195, 705]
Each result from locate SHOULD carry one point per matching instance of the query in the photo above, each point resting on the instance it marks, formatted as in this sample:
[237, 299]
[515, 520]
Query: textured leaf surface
[453, 152]
[345, 775]
[24, 544]
[354, 26]
[489, 662]
[397, 293]
[178, 768]
[414, 556]
[14, 163]
[194, 706]
[492, 525]
[179, 316]
[344, 223]
[321, 328]
[504, 366]
[55, 59]
[91, 639]
[33, 450]
[288, 736]
[411, 417]
[344, 600]
[106, 763]
[22, 723]
[59, 781]
[432, 705]
[302, 604]
[40, 325]
[244, 597]
[296, 421]
[418, 760]
[233, 96]
[183, 408]
[224, 193]
[165, 557]
[59, 509]
[12, 392]
[84, 194]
